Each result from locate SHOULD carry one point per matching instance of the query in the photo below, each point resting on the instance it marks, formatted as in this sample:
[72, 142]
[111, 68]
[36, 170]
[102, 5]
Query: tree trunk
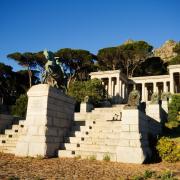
[30, 77]
[70, 80]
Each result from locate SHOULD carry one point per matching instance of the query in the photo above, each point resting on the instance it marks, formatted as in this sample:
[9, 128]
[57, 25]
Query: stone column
[109, 87]
[165, 88]
[113, 88]
[143, 92]
[155, 90]
[172, 83]
[117, 86]
[102, 82]
[120, 88]
[123, 90]
[50, 114]
[126, 91]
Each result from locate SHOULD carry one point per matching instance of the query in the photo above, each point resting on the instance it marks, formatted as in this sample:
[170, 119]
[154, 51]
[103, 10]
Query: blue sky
[33, 25]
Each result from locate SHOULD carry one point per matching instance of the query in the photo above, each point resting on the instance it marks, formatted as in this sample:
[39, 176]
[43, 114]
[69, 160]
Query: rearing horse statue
[53, 74]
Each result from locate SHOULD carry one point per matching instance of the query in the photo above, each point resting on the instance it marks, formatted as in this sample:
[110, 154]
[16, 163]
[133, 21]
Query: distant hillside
[165, 52]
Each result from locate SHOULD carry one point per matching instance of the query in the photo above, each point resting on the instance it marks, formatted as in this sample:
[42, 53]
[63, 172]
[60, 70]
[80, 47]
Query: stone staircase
[95, 134]
[9, 138]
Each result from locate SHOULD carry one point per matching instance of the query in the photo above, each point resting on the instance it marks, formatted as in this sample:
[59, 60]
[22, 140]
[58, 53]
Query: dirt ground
[75, 169]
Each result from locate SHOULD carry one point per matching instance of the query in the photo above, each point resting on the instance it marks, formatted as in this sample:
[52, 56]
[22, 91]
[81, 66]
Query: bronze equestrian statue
[53, 74]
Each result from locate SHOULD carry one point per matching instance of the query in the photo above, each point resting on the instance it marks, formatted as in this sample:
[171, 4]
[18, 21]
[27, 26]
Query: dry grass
[74, 169]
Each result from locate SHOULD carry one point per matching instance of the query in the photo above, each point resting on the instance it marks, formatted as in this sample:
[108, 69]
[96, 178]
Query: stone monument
[49, 114]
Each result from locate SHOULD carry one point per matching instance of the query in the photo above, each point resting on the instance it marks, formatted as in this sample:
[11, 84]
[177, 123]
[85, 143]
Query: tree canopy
[13, 84]
[77, 63]
[125, 57]
[151, 66]
[30, 61]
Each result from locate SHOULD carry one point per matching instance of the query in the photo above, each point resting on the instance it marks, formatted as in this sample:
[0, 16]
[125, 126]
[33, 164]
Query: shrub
[175, 60]
[92, 158]
[168, 150]
[148, 174]
[13, 178]
[91, 88]
[106, 158]
[167, 175]
[173, 114]
[20, 107]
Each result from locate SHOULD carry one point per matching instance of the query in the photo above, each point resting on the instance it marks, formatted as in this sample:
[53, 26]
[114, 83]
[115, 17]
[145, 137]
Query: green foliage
[92, 158]
[167, 175]
[29, 60]
[138, 177]
[173, 114]
[12, 84]
[108, 58]
[168, 150]
[175, 60]
[150, 67]
[77, 63]
[92, 88]
[39, 157]
[13, 178]
[176, 49]
[126, 57]
[20, 107]
[106, 158]
[148, 174]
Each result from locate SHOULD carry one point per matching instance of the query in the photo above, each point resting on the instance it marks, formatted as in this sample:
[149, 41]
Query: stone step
[10, 136]
[103, 123]
[8, 144]
[107, 110]
[90, 147]
[7, 150]
[94, 128]
[7, 141]
[9, 147]
[17, 127]
[21, 122]
[87, 154]
[10, 131]
[97, 116]
[90, 140]
[94, 134]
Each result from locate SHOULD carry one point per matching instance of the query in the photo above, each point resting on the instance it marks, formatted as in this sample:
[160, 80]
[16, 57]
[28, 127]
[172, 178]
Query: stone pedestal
[86, 107]
[133, 146]
[164, 105]
[49, 116]
[153, 110]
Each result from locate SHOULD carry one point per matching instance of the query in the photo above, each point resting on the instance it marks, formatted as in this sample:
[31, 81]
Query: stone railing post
[133, 146]
[86, 107]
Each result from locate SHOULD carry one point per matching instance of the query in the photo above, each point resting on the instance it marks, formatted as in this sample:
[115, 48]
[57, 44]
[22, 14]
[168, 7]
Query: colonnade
[115, 87]
[148, 88]
[118, 85]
